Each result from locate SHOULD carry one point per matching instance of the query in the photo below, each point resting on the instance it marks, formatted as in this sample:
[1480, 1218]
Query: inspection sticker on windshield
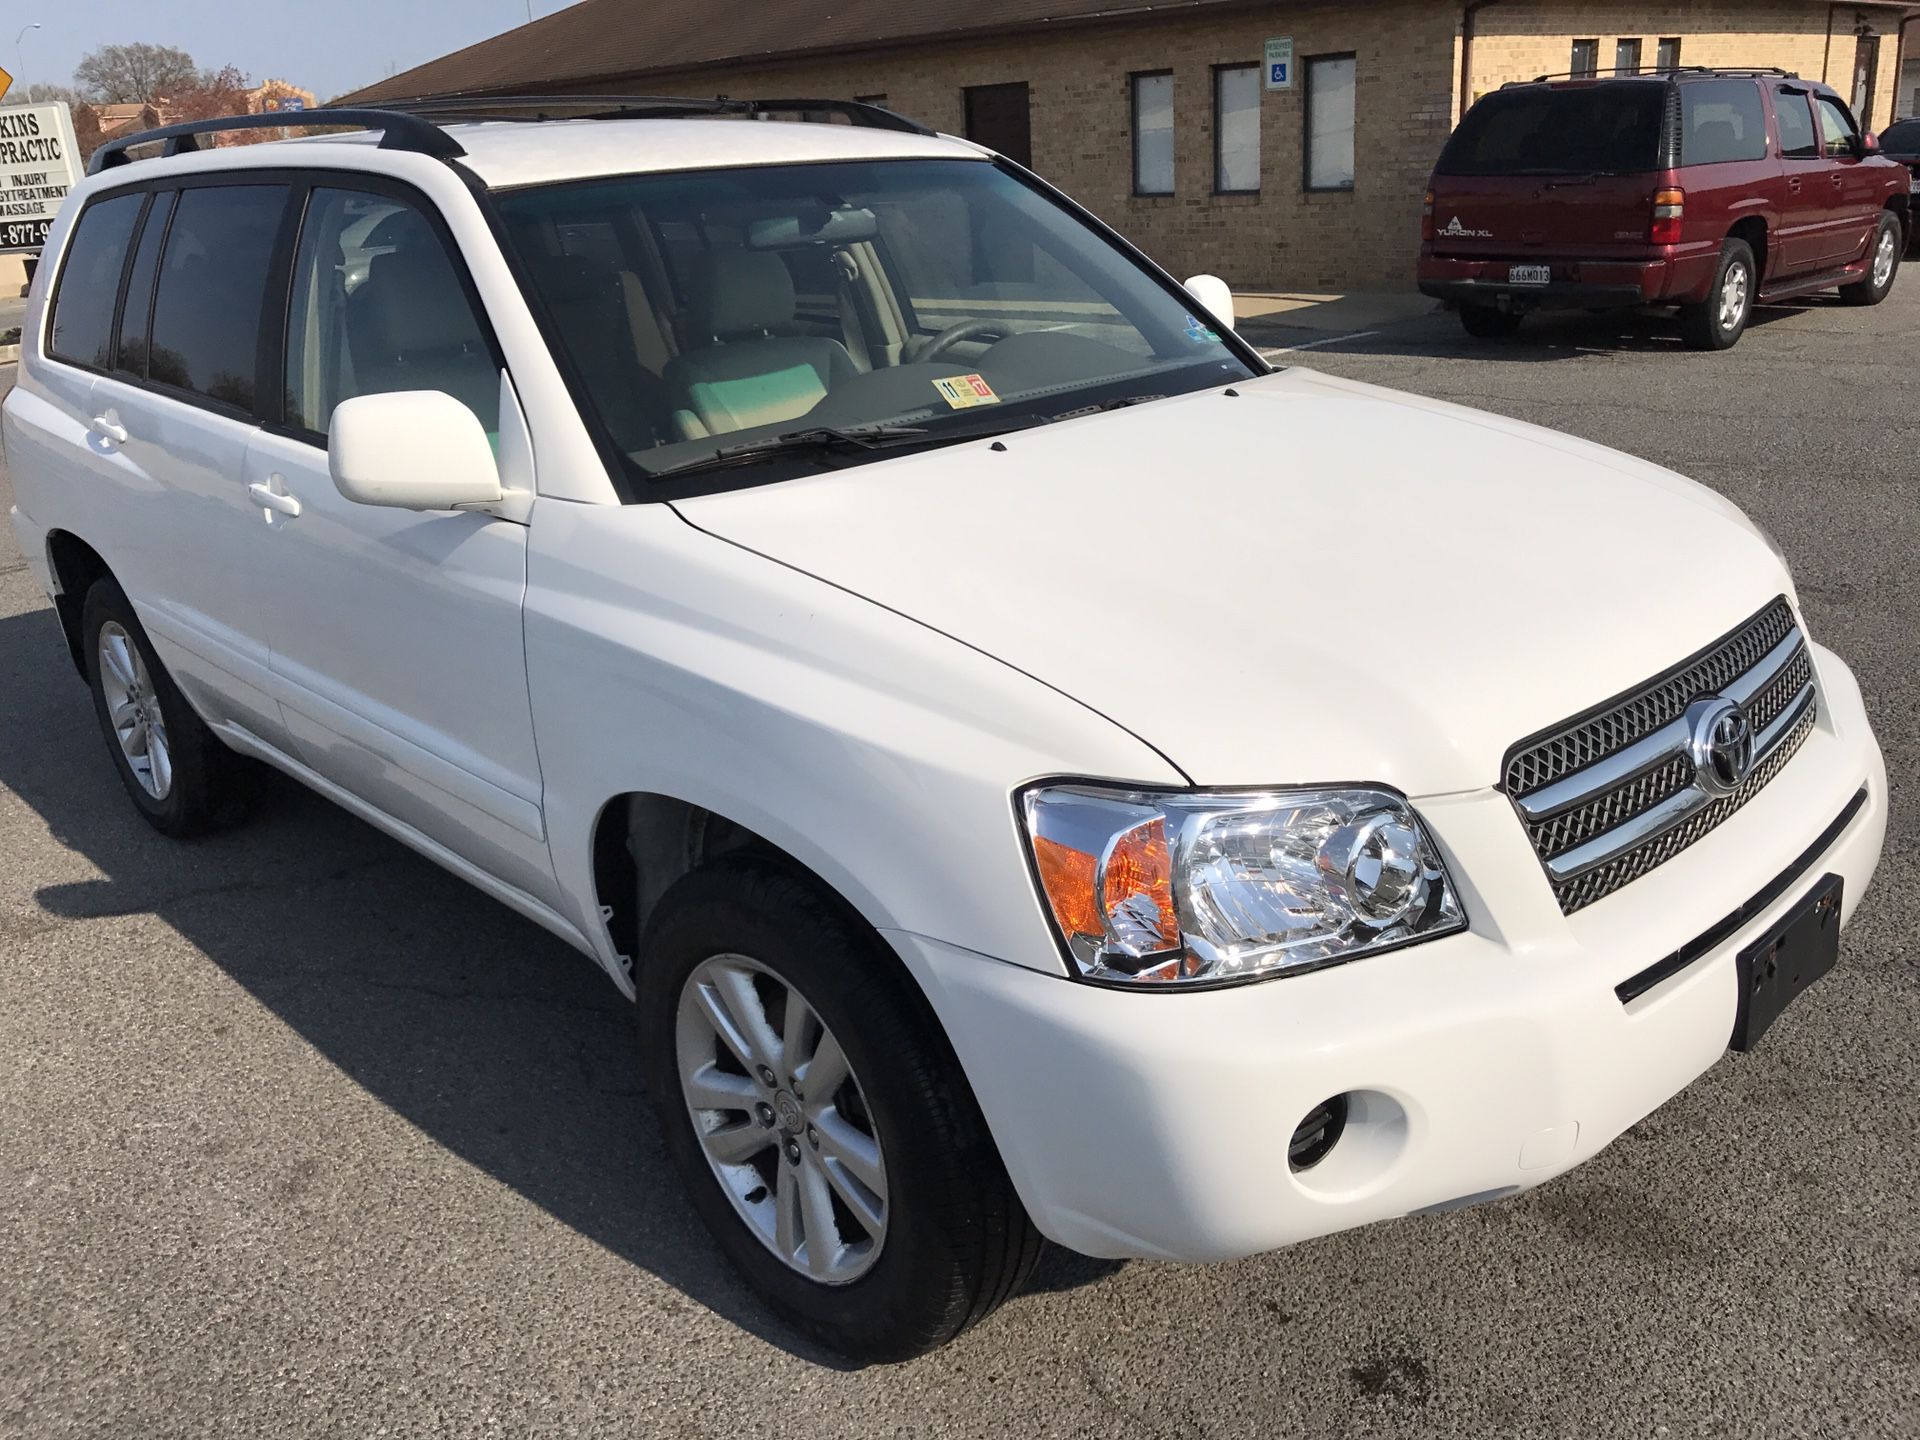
[962, 392]
[1196, 330]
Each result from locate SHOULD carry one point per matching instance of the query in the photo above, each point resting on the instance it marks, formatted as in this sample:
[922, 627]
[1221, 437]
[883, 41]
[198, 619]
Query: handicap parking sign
[1280, 64]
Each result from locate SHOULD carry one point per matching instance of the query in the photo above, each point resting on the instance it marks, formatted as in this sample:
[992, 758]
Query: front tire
[806, 1094]
[177, 773]
[1483, 322]
[1720, 321]
[1883, 265]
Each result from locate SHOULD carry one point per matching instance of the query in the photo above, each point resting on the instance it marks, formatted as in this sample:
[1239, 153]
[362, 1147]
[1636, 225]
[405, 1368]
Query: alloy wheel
[134, 708]
[1884, 256]
[1734, 292]
[781, 1118]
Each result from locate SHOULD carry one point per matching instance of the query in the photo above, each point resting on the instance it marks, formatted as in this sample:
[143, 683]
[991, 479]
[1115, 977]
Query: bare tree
[41, 93]
[133, 74]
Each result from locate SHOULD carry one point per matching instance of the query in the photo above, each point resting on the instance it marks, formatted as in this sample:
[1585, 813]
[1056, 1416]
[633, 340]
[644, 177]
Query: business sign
[287, 102]
[39, 164]
[1280, 64]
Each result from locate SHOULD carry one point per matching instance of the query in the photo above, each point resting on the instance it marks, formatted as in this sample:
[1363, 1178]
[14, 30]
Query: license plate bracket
[1800, 948]
[1529, 274]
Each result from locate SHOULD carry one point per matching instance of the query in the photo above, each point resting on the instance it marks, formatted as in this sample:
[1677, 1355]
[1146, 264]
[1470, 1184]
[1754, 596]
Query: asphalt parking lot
[299, 1136]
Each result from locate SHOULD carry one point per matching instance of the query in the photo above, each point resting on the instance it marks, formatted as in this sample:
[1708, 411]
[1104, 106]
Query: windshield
[1583, 130]
[703, 312]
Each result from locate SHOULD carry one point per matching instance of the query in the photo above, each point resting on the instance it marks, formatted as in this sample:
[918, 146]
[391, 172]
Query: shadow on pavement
[495, 1039]
[1545, 336]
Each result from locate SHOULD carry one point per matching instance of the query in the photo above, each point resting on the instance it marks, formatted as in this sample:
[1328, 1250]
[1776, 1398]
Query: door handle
[274, 498]
[107, 430]
[1793, 184]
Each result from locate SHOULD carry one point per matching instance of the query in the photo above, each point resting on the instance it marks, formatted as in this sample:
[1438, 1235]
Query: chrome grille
[1610, 796]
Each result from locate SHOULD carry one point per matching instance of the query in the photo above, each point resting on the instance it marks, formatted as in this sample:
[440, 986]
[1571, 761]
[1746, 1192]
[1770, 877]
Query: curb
[9, 354]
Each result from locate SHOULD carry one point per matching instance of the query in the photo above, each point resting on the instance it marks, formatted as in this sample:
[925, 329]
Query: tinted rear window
[1721, 120]
[1902, 136]
[1590, 129]
[90, 282]
[213, 286]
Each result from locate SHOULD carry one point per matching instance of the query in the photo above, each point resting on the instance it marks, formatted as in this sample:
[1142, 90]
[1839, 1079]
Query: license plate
[1790, 957]
[1529, 274]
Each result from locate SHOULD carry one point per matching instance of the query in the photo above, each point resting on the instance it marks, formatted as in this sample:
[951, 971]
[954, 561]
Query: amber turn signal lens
[1129, 900]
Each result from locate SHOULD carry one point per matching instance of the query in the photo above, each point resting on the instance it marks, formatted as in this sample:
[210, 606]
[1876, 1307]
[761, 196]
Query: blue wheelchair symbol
[1279, 73]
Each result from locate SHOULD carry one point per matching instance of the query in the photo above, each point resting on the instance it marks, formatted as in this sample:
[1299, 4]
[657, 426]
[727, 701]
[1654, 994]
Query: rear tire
[1882, 266]
[1720, 321]
[951, 1241]
[177, 773]
[1483, 322]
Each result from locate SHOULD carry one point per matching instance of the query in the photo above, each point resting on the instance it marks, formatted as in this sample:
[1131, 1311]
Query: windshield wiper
[815, 440]
[1120, 404]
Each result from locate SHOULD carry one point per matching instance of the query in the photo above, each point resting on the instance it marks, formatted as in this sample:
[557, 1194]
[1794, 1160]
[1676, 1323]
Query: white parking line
[1316, 344]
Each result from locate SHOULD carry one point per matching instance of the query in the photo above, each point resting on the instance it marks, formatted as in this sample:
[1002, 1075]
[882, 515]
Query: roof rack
[1655, 72]
[415, 124]
[398, 131]
[657, 107]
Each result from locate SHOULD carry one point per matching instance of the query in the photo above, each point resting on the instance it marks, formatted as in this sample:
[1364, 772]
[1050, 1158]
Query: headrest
[738, 292]
[422, 307]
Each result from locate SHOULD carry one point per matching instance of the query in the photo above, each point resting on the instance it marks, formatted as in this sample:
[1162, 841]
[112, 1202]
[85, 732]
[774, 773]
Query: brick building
[1163, 119]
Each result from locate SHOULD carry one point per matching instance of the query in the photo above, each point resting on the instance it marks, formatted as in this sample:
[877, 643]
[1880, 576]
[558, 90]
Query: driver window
[1837, 129]
[378, 306]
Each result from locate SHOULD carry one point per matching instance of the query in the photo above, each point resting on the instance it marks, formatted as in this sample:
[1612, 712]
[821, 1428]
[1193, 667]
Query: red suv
[1712, 190]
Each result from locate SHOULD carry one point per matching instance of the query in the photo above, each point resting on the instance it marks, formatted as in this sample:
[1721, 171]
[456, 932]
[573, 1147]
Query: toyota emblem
[1720, 744]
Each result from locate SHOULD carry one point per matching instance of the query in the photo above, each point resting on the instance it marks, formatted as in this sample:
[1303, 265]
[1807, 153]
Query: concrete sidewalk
[1278, 317]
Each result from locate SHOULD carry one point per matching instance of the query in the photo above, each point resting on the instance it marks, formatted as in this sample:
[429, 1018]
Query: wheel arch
[76, 565]
[1753, 229]
[645, 841]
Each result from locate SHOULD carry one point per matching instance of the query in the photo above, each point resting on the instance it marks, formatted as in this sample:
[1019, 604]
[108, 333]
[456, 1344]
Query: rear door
[1801, 236]
[1552, 172]
[1854, 183]
[173, 414]
[396, 637]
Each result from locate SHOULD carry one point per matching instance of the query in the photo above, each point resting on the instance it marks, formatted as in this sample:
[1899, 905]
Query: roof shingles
[614, 40]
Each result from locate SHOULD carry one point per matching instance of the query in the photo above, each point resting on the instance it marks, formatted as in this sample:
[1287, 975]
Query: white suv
[1038, 770]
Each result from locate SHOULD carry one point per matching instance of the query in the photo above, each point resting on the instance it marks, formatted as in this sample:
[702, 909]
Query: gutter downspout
[1467, 17]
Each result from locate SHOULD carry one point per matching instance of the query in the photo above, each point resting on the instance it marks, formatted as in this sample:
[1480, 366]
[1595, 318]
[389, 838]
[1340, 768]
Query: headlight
[1176, 888]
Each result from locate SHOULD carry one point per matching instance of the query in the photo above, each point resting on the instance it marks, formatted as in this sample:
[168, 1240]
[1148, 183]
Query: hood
[1314, 581]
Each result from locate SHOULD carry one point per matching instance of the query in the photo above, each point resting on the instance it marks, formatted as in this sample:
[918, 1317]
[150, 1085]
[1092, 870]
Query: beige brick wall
[1082, 131]
[1408, 67]
[1520, 39]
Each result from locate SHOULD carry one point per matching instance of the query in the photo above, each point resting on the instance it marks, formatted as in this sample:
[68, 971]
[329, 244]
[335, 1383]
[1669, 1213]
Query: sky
[326, 46]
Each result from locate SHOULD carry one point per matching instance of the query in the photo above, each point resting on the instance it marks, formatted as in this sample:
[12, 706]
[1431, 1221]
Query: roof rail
[530, 108]
[399, 131]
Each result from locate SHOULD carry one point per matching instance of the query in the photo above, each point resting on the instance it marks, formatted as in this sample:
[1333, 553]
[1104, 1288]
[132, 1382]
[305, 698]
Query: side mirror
[1213, 296]
[413, 450]
[1870, 144]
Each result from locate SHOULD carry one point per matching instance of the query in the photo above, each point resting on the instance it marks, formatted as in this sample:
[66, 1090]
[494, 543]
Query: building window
[1236, 129]
[1586, 59]
[1330, 111]
[1626, 57]
[998, 118]
[1153, 133]
[1667, 57]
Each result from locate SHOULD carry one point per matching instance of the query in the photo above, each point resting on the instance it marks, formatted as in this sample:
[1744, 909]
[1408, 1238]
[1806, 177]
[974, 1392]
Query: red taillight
[1426, 219]
[1669, 217]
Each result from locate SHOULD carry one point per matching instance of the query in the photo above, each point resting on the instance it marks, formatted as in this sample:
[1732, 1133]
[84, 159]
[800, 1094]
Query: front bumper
[1484, 1063]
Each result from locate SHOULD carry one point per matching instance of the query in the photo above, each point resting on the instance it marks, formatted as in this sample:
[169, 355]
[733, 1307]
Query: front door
[1800, 237]
[1853, 184]
[395, 634]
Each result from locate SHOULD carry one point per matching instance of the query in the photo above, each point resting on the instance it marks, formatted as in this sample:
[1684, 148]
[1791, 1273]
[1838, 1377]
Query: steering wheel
[936, 346]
